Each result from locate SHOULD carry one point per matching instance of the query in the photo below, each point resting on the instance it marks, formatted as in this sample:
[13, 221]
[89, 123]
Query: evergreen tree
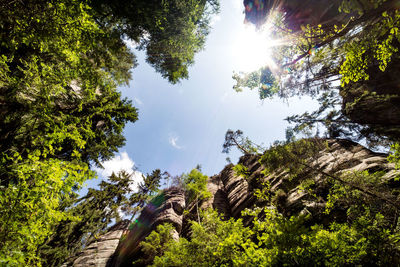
[360, 50]
[60, 64]
[93, 214]
[244, 144]
[146, 190]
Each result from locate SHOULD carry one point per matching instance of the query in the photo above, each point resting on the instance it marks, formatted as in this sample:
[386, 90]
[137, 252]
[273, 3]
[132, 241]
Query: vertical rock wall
[167, 207]
[100, 252]
[232, 193]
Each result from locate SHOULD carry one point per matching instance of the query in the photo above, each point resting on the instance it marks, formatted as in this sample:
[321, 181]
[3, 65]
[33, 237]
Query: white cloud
[130, 43]
[173, 140]
[215, 19]
[138, 101]
[118, 163]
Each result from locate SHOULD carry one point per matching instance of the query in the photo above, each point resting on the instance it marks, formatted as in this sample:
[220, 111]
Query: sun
[253, 48]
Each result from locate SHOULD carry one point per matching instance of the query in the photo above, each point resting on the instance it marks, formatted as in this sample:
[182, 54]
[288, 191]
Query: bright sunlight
[252, 48]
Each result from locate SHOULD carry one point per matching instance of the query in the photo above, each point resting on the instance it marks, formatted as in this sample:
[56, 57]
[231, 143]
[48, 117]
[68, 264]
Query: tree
[297, 156]
[244, 144]
[146, 190]
[367, 234]
[329, 49]
[170, 31]
[275, 240]
[91, 215]
[60, 112]
[329, 117]
[354, 42]
[195, 186]
[156, 243]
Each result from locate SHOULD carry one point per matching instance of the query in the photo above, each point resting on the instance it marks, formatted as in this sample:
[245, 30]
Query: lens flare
[253, 48]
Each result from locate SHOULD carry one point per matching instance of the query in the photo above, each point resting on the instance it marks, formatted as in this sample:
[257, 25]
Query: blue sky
[183, 125]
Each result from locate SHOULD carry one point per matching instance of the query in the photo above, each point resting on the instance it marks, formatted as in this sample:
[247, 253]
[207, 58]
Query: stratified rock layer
[100, 251]
[167, 207]
[233, 193]
[376, 102]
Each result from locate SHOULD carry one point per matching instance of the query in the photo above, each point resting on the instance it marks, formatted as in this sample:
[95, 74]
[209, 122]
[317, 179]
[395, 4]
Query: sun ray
[254, 46]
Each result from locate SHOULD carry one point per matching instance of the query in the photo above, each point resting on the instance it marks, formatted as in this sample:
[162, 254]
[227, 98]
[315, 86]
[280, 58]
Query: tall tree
[358, 45]
[170, 31]
[60, 112]
[146, 189]
[92, 214]
[244, 144]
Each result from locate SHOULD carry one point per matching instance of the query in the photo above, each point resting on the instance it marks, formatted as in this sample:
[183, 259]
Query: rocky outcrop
[233, 193]
[296, 13]
[376, 101]
[167, 207]
[100, 252]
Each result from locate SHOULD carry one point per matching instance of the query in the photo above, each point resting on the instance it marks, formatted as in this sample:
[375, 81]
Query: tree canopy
[60, 111]
[350, 47]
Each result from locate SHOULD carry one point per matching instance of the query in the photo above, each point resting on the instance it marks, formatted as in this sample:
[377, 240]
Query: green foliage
[60, 64]
[273, 240]
[263, 193]
[244, 144]
[30, 205]
[261, 79]
[195, 185]
[60, 111]
[241, 170]
[156, 243]
[58, 89]
[358, 46]
[213, 243]
[170, 31]
[394, 156]
[337, 124]
[291, 157]
[146, 190]
[317, 55]
[362, 231]
[379, 46]
[373, 218]
[91, 215]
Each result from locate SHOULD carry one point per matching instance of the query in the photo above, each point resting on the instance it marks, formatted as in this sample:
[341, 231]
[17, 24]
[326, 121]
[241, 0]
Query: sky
[183, 125]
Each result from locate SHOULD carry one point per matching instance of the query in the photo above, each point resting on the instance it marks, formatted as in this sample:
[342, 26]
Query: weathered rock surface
[100, 251]
[232, 193]
[376, 102]
[165, 208]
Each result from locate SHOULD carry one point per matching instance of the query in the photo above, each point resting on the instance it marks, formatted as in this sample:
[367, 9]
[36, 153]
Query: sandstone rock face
[165, 208]
[376, 102]
[232, 193]
[100, 252]
[341, 157]
[171, 210]
[296, 13]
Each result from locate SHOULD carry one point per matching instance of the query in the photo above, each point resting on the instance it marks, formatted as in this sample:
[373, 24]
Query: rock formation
[376, 102]
[232, 193]
[101, 250]
[167, 207]
[296, 13]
